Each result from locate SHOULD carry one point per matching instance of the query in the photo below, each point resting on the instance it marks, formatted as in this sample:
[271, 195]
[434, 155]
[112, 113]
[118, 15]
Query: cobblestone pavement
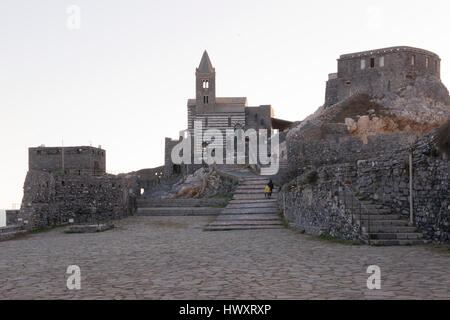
[172, 258]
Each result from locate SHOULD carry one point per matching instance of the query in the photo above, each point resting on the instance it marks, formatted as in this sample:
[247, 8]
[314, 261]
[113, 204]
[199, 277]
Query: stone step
[251, 217]
[179, 211]
[389, 229]
[255, 196]
[371, 212]
[253, 191]
[248, 201]
[245, 223]
[10, 235]
[397, 242]
[241, 227]
[253, 182]
[248, 210]
[252, 187]
[11, 228]
[252, 205]
[387, 222]
[395, 236]
[376, 217]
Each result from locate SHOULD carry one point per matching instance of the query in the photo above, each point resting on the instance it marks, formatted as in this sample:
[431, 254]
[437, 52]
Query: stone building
[70, 185]
[80, 160]
[378, 72]
[221, 112]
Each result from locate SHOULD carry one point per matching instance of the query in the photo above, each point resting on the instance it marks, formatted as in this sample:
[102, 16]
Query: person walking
[270, 185]
[267, 191]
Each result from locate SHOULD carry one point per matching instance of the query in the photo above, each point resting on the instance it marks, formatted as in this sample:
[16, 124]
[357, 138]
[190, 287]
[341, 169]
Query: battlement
[388, 50]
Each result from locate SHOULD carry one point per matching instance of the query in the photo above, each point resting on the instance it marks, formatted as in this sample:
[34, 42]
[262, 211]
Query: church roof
[205, 64]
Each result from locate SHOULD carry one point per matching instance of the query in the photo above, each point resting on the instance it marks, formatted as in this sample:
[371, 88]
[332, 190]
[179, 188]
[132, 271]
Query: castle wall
[52, 199]
[76, 160]
[385, 70]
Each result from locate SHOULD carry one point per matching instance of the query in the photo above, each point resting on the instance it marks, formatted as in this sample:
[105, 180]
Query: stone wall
[81, 160]
[386, 179]
[330, 143]
[54, 199]
[310, 204]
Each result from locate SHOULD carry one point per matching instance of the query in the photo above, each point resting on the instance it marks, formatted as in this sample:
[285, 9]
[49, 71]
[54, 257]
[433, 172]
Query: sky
[121, 74]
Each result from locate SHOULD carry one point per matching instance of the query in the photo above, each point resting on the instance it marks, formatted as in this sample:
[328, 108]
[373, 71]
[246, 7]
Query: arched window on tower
[205, 84]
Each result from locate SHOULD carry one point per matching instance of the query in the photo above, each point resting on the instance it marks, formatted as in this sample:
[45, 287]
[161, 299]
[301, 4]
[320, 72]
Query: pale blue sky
[122, 80]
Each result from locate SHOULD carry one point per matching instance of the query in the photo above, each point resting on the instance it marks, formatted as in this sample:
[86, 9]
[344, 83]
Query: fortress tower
[378, 72]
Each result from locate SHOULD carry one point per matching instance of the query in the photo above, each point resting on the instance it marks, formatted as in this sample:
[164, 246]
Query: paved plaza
[173, 258]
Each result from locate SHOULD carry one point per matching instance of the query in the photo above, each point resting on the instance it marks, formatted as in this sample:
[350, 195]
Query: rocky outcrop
[203, 183]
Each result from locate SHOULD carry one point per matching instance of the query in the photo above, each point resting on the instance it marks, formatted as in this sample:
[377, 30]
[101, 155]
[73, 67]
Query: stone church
[220, 112]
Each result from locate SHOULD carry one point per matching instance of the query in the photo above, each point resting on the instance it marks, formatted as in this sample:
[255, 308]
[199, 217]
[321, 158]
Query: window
[363, 64]
[413, 60]
[427, 62]
[205, 99]
[372, 62]
[381, 61]
[205, 84]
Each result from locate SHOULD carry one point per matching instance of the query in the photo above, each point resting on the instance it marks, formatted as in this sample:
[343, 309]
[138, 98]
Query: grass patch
[442, 248]
[330, 238]
[283, 219]
[359, 105]
[45, 229]
[311, 177]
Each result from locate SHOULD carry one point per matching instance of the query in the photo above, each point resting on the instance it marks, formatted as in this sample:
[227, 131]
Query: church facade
[220, 113]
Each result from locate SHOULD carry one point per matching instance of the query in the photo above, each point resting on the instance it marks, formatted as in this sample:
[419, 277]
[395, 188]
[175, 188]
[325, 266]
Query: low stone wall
[54, 199]
[310, 204]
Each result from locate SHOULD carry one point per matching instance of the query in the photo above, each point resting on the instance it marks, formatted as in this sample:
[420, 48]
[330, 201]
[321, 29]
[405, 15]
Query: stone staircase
[248, 209]
[379, 226]
[180, 207]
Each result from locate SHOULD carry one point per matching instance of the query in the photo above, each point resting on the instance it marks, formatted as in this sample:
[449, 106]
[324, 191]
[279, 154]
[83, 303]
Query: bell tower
[205, 85]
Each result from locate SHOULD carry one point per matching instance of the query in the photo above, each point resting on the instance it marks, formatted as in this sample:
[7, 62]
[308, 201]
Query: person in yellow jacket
[267, 192]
